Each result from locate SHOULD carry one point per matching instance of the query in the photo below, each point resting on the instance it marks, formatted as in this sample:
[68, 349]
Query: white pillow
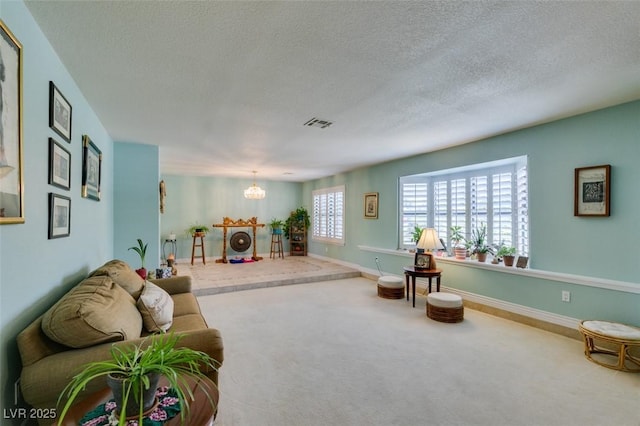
[156, 307]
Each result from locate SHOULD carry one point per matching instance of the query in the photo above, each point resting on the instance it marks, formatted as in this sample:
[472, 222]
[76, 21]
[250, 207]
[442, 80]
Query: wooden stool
[445, 307]
[390, 287]
[201, 245]
[276, 246]
[620, 339]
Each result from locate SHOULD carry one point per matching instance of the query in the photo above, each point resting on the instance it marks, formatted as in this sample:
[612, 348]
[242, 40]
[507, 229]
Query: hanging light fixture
[254, 192]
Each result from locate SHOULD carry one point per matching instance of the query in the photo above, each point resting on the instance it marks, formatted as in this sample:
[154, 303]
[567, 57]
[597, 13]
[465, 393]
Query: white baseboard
[513, 308]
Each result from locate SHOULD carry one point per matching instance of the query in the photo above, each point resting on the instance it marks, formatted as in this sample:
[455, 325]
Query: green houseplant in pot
[197, 230]
[458, 239]
[507, 254]
[295, 219]
[142, 252]
[416, 233]
[276, 226]
[133, 371]
[479, 245]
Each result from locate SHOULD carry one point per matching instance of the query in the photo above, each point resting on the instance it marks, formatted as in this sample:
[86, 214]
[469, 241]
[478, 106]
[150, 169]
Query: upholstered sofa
[113, 306]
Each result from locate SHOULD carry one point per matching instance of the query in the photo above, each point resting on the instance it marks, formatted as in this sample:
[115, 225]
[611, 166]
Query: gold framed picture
[11, 154]
[371, 205]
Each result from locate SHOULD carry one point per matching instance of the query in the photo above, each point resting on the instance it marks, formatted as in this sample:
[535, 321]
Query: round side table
[413, 273]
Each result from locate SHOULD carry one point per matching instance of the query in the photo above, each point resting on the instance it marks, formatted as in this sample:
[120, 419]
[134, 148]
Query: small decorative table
[413, 273]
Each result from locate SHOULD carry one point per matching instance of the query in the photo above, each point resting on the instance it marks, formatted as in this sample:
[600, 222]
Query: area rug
[215, 278]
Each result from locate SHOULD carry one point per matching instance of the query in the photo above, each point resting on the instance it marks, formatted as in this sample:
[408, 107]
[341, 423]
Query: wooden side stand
[240, 223]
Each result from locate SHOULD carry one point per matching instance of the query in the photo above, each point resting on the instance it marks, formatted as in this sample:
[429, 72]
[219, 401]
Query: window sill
[623, 286]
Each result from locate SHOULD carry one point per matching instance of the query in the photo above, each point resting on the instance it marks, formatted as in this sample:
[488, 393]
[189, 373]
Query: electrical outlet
[566, 296]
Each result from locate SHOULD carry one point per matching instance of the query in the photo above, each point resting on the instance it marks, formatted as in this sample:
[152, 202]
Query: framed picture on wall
[91, 169]
[11, 171]
[371, 205]
[59, 113]
[59, 216]
[592, 189]
[59, 165]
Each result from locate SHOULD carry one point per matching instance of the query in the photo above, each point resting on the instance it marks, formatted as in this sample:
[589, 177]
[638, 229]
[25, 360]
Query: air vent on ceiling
[316, 122]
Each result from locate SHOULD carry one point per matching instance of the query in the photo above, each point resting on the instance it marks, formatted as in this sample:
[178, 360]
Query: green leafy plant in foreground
[156, 354]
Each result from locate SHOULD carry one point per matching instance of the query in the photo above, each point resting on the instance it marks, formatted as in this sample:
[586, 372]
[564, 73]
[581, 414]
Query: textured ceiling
[225, 88]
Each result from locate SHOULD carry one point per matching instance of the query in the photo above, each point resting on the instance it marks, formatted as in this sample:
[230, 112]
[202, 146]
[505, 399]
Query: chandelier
[254, 192]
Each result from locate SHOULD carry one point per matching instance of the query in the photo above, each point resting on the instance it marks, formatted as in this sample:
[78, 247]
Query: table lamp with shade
[428, 242]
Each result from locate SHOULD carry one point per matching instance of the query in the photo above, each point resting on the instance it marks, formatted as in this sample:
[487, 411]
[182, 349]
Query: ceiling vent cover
[316, 122]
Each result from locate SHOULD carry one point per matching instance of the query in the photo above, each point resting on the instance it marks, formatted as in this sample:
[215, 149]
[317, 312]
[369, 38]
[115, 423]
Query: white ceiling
[224, 88]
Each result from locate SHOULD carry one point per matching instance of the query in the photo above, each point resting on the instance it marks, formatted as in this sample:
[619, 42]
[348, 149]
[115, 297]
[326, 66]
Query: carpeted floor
[215, 278]
[333, 353]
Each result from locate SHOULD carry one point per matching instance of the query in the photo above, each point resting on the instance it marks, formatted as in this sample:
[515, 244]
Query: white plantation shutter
[328, 215]
[413, 209]
[492, 193]
[522, 209]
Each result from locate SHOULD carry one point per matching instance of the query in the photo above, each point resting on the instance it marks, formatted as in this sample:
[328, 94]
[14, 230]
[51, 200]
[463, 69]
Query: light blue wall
[560, 242]
[36, 271]
[208, 200]
[136, 203]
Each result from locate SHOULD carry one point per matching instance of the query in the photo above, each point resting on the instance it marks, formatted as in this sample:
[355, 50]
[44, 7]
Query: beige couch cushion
[156, 307]
[96, 311]
[122, 274]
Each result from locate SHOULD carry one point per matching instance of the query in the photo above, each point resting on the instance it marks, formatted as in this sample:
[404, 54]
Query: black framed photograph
[11, 153]
[59, 113]
[522, 262]
[59, 216]
[91, 169]
[59, 165]
[371, 205]
[592, 190]
[423, 261]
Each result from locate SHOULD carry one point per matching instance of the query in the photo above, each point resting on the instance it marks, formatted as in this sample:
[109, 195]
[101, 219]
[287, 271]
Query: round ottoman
[445, 307]
[390, 287]
[613, 340]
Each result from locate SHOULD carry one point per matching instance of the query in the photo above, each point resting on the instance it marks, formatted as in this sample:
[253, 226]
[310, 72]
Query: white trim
[627, 287]
[538, 314]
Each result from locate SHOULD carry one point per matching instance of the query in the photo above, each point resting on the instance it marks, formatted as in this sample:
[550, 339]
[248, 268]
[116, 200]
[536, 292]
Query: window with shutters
[328, 215]
[493, 193]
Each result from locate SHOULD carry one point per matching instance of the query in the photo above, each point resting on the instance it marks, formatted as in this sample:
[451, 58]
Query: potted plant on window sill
[507, 254]
[415, 236]
[478, 242]
[134, 371]
[142, 252]
[459, 249]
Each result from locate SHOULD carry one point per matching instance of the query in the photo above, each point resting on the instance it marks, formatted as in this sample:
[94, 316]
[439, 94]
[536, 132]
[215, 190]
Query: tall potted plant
[142, 252]
[132, 372]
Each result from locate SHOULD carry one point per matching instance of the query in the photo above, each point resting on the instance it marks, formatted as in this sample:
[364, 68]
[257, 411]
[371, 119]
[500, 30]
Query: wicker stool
[390, 287]
[619, 340]
[445, 307]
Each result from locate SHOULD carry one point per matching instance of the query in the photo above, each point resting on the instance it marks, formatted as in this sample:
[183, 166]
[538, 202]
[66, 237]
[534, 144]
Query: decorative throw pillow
[156, 307]
[95, 311]
[122, 274]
